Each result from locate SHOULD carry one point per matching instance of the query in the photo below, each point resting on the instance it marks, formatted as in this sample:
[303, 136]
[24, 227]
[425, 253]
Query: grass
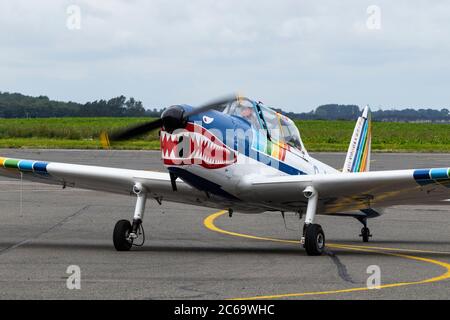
[46, 143]
[386, 136]
[82, 133]
[69, 133]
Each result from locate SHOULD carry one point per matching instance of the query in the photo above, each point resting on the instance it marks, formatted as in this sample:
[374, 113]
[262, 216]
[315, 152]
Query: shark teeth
[209, 150]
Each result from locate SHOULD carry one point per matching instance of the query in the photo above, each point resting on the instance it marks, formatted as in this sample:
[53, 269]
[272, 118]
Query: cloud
[293, 54]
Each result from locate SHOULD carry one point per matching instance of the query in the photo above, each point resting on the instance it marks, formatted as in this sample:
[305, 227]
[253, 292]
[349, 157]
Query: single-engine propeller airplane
[246, 157]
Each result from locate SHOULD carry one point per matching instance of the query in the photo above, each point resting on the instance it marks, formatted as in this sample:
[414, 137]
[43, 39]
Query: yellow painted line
[209, 223]
[391, 249]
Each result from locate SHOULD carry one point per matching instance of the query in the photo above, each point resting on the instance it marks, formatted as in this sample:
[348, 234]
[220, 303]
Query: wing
[343, 192]
[114, 180]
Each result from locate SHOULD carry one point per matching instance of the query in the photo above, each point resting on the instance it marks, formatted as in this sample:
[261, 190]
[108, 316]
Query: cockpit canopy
[279, 127]
[245, 109]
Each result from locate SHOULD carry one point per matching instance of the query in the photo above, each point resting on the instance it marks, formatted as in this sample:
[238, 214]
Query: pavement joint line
[209, 223]
[60, 223]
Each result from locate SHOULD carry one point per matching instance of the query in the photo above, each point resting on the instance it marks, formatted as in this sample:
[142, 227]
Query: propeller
[172, 118]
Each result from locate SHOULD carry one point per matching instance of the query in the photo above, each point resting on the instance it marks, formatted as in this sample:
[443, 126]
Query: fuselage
[232, 149]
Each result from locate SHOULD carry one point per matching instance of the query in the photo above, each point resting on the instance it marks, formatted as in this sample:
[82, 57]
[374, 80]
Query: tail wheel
[121, 236]
[314, 240]
[365, 234]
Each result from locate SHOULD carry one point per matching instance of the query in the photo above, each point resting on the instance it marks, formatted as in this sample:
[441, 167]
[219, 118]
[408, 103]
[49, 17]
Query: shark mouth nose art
[195, 145]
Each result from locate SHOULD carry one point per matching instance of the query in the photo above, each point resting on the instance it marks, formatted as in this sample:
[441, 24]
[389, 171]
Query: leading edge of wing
[421, 177]
[342, 178]
[83, 176]
[158, 185]
[386, 188]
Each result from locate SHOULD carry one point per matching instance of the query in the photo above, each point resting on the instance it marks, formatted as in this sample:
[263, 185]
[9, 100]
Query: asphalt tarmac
[192, 254]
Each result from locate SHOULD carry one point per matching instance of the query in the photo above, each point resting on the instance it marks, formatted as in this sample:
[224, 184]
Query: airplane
[239, 154]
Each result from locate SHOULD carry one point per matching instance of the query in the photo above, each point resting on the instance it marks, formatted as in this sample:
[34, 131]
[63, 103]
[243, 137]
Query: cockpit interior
[279, 128]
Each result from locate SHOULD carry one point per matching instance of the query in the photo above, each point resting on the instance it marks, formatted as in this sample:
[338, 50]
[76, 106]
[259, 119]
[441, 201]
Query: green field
[82, 133]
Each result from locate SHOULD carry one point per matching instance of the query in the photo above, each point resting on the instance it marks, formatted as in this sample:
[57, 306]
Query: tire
[365, 233]
[120, 234]
[314, 240]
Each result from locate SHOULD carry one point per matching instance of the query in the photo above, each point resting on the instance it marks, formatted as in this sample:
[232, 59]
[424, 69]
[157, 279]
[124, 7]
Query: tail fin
[358, 155]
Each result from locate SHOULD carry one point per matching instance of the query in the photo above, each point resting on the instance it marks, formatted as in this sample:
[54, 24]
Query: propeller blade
[212, 105]
[104, 140]
[172, 117]
[130, 132]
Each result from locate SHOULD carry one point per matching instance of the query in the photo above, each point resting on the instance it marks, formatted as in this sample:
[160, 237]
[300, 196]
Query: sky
[291, 54]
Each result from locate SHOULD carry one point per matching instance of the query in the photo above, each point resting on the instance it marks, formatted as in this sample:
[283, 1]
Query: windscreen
[281, 128]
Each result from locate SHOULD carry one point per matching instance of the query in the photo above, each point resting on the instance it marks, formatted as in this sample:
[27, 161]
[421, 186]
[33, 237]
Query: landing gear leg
[125, 233]
[313, 238]
[365, 232]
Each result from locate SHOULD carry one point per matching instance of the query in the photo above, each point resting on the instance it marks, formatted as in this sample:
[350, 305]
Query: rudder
[358, 154]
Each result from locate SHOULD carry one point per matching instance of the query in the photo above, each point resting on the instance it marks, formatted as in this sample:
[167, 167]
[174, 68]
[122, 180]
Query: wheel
[120, 235]
[365, 234]
[314, 240]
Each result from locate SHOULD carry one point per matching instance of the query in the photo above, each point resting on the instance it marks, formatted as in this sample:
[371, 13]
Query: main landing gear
[125, 233]
[313, 238]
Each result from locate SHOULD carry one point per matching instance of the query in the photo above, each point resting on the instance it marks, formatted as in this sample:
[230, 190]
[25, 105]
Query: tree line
[352, 112]
[16, 105]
